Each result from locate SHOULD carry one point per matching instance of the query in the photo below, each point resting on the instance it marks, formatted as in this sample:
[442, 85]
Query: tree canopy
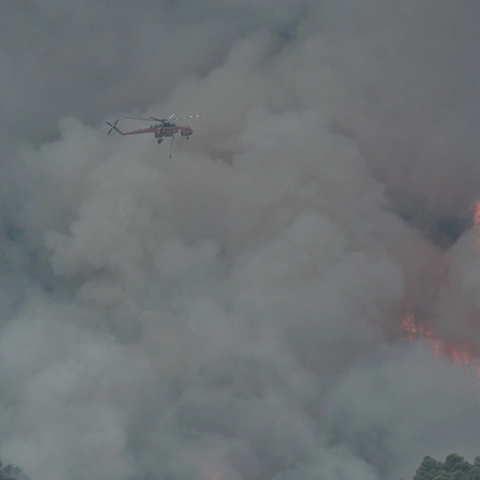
[9, 472]
[455, 467]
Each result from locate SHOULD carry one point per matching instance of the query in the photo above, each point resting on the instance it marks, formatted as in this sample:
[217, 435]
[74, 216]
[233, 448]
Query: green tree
[475, 470]
[429, 469]
[455, 467]
[9, 472]
[455, 463]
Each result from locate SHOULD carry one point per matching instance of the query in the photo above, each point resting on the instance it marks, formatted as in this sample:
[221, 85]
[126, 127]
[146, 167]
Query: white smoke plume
[235, 312]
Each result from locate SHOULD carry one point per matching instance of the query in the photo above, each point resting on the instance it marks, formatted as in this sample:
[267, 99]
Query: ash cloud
[236, 310]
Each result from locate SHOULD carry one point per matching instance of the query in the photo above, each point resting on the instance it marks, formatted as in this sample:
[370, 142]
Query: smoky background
[238, 311]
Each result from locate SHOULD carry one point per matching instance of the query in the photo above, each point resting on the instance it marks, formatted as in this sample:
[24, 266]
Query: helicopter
[165, 127]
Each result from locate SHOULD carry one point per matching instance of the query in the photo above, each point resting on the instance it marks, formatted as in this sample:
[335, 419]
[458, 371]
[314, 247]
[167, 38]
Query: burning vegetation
[459, 352]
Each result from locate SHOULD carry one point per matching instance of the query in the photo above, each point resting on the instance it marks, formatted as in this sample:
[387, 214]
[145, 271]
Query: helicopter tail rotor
[114, 127]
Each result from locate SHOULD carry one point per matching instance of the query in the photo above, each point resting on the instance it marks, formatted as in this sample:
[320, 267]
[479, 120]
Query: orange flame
[476, 212]
[463, 354]
[212, 474]
[411, 329]
[459, 354]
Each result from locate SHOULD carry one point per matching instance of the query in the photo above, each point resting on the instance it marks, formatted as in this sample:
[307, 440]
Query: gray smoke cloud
[235, 311]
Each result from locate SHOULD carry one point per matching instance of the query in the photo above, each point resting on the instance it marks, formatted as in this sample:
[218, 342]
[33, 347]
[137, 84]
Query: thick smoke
[235, 311]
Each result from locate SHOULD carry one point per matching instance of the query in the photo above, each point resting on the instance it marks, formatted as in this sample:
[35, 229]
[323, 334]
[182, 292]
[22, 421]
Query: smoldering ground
[236, 310]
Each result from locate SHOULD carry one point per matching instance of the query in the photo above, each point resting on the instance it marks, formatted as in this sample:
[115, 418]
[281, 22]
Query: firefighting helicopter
[166, 127]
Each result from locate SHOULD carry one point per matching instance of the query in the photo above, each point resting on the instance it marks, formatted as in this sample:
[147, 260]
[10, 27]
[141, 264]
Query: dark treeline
[9, 472]
[455, 467]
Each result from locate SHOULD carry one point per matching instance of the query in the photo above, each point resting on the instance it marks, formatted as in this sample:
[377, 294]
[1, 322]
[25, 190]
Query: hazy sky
[236, 310]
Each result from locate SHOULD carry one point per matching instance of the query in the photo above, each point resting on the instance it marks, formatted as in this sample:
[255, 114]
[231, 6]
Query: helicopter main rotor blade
[171, 118]
[189, 116]
[141, 118]
[161, 120]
